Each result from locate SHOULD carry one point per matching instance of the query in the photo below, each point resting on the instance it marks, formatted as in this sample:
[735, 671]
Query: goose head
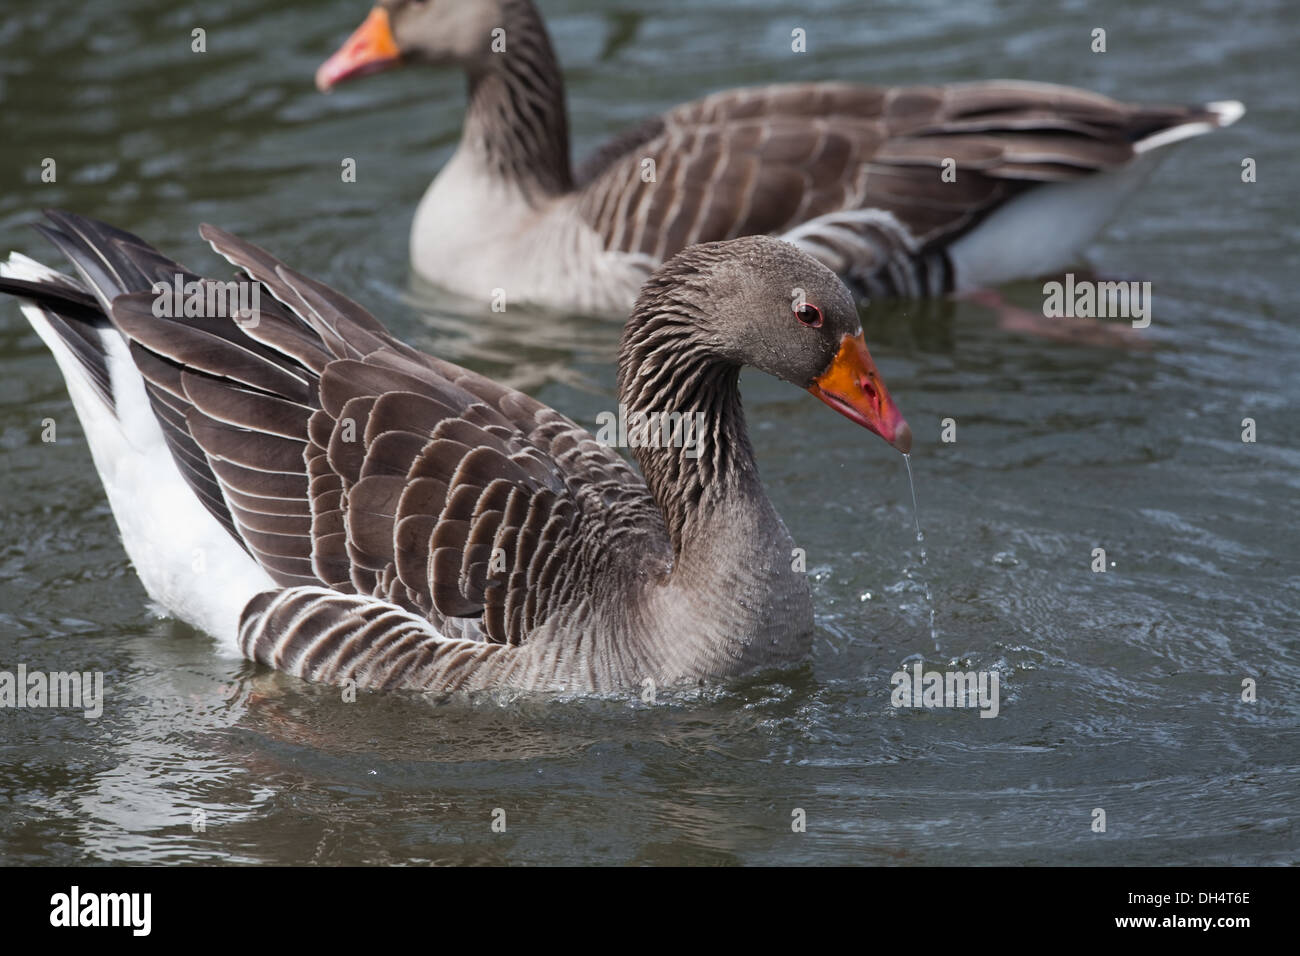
[758, 301]
[438, 32]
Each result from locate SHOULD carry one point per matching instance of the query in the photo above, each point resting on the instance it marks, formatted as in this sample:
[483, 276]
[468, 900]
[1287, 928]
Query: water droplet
[920, 539]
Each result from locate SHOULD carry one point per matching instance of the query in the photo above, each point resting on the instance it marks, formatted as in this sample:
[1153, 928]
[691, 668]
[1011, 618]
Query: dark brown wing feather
[767, 159]
[344, 458]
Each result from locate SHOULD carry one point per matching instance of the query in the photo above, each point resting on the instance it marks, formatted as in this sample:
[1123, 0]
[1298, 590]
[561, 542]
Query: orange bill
[852, 386]
[370, 49]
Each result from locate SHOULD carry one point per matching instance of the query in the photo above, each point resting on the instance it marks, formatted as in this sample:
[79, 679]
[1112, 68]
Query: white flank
[188, 563]
[1042, 231]
[473, 234]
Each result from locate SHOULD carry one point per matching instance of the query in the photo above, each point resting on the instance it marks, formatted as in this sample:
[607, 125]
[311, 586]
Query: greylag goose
[326, 500]
[903, 191]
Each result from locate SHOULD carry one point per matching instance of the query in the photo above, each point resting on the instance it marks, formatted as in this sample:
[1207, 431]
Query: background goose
[336, 504]
[851, 174]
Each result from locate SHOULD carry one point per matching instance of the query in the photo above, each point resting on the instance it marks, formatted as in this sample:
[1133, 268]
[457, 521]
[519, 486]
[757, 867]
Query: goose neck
[517, 123]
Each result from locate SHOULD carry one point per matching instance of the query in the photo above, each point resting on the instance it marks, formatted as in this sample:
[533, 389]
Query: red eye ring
[809, 315]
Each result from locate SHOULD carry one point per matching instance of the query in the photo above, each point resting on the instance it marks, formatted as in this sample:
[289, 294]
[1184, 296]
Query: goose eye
[809, 315]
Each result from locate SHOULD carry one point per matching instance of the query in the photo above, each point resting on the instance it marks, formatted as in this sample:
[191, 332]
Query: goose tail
[188, 561]
[1199, 120]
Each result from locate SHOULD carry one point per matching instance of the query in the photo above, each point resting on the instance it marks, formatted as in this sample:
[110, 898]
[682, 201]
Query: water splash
[920, 540]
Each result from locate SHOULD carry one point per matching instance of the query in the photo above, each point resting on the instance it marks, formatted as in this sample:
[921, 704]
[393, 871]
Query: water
[1119, 689]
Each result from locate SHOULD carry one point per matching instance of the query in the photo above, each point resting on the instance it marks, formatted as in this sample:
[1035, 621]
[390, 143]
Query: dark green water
[1120, 690]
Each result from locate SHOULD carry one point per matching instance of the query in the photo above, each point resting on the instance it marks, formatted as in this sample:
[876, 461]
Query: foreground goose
[333, 503]
[854, 175]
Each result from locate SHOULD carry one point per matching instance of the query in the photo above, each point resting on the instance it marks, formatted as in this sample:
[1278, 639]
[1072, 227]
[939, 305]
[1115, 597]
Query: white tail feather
[187, 561]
